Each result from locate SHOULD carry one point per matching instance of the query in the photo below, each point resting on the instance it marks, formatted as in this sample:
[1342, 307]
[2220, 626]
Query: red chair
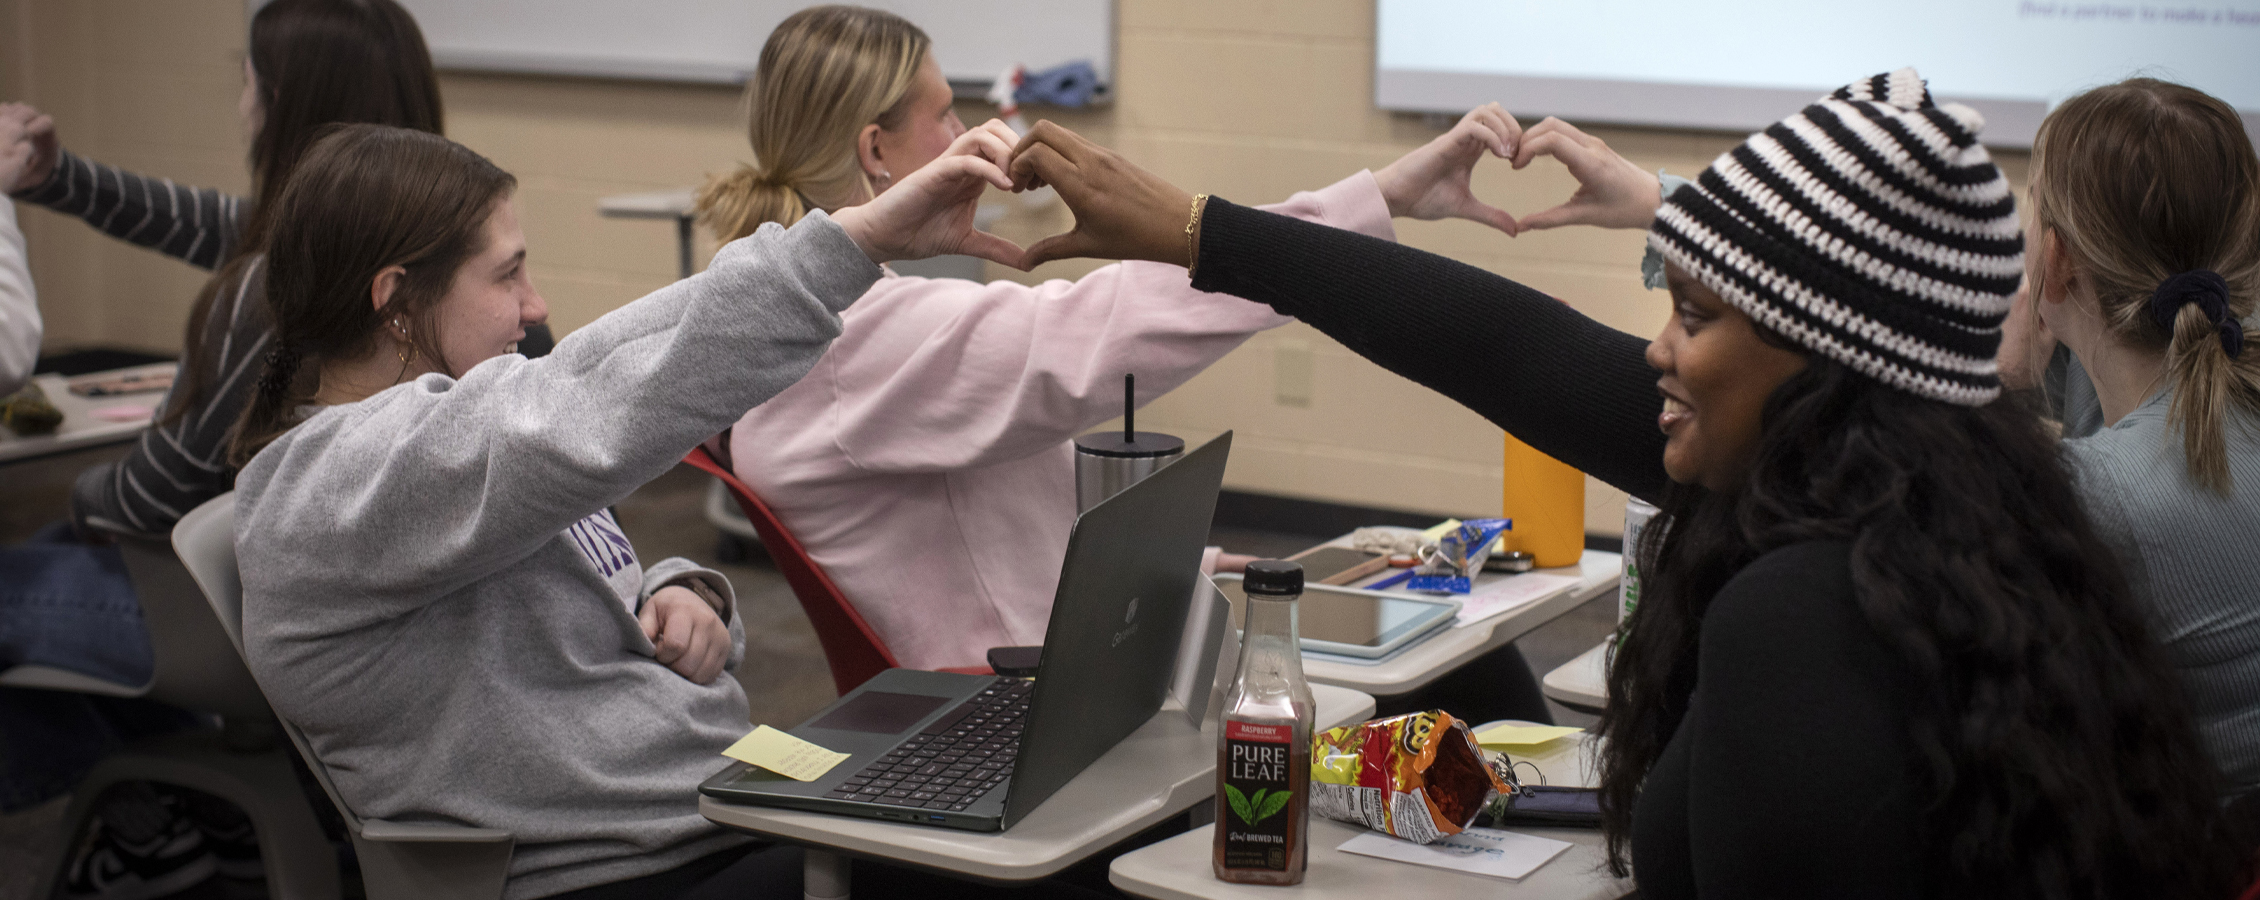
[854, 651]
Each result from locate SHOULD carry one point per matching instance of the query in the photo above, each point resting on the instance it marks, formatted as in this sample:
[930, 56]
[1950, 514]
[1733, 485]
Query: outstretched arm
[946, 374]
[199, 226]
[1567, 385]
[436, 483]
[1573, 388]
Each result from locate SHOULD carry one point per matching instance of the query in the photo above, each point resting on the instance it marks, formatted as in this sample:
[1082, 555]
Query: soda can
[1637, 512]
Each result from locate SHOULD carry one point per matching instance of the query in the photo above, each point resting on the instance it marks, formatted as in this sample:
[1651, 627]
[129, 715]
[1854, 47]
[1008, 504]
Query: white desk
[82, 427]
[1160, 770]
[1582, 683]
[1178, 868]
[676, 205]
[1453, 647]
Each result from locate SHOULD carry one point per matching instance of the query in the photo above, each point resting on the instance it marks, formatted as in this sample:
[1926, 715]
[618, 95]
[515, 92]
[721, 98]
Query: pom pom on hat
[1871, 227]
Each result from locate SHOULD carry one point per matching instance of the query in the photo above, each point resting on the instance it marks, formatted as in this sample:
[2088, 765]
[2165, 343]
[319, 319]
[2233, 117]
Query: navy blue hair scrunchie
[2210, 292]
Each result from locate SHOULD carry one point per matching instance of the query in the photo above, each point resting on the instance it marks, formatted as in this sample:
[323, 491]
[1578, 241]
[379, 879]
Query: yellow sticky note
[1499, 737]
[784, 754]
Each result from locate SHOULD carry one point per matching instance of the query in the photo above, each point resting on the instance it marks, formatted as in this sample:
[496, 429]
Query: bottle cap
[1274, 578]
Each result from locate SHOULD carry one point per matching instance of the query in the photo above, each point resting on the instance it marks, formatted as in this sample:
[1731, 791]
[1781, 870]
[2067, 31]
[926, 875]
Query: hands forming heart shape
[1124, 212]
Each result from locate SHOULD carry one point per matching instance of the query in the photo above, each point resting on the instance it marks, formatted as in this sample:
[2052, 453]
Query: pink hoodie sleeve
[946, 374]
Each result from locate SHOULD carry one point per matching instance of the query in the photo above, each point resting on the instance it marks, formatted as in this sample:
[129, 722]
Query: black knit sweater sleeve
[196, 225]
[1569, 386]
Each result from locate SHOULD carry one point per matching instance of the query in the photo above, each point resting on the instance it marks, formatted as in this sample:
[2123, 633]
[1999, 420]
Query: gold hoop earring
[407, 350]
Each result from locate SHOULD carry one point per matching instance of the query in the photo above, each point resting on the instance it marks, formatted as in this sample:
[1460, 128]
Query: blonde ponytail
[732, 206]
[2207, 380]
[2153, 187]
[825, 73]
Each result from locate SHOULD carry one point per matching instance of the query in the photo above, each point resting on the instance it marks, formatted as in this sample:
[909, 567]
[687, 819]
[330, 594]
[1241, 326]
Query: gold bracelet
[1193, 233]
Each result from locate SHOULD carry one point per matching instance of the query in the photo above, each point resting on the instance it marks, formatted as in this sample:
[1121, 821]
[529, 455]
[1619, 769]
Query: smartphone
[1338, 565]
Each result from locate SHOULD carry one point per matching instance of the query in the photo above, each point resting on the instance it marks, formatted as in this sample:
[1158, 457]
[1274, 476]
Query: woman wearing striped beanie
[1882, 651]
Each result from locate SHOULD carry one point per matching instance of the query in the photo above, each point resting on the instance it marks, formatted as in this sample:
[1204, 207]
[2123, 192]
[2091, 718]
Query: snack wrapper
[1450, 567]
[28, 412]
[1418, 776]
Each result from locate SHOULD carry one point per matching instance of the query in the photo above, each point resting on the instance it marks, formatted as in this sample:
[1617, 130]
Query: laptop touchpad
[880, 712]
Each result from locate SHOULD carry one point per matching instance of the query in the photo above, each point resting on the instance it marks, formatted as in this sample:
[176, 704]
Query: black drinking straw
[1129, 409]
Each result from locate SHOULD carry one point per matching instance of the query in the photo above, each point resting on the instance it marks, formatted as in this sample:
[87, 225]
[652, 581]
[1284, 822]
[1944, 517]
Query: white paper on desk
[1482, 851]
[1495, 597]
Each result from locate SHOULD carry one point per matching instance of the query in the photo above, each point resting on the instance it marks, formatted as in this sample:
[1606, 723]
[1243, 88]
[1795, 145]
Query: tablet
[1351, 622]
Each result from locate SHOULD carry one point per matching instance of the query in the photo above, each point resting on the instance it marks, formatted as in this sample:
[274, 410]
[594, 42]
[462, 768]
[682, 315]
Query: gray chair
[197, 668]
[398, 859]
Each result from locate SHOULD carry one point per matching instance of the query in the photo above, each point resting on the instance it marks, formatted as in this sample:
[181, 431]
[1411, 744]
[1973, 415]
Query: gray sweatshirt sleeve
[195, 225]
[437, 483]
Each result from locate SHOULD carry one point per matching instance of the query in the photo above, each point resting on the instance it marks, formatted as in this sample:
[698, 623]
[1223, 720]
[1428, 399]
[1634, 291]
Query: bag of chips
[1418, 776]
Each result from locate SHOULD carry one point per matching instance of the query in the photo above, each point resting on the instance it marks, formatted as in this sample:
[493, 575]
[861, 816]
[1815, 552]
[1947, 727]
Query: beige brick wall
[1248, 99]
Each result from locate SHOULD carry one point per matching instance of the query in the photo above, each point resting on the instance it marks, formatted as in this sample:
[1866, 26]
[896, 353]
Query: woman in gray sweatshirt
[433, 590]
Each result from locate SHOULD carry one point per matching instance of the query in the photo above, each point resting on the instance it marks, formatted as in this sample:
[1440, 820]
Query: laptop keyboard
[955, 761]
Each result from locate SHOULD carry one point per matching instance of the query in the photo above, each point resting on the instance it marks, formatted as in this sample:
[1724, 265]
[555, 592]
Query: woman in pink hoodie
[926, 462]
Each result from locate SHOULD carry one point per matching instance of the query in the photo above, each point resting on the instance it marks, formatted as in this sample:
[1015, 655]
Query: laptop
[979, 752]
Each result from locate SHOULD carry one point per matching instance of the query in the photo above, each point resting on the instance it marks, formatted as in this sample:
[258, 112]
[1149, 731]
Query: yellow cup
[1546, 500]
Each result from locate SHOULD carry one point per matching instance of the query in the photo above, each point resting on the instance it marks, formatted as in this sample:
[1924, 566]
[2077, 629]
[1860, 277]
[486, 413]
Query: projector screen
[1742, 64]
[720, 40]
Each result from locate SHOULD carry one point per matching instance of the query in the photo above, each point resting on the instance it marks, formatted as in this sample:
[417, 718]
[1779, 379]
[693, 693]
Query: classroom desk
[1160, 770]
[1178, 868]
[81, 428]
[1582, 683]
[1439, 653]
[674, 205]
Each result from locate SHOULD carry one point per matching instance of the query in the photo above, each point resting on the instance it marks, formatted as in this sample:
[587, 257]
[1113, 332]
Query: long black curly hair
[2059, 752]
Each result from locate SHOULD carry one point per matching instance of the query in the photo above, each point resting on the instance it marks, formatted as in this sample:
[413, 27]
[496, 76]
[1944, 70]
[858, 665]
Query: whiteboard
[1742, 64]
[719, 41]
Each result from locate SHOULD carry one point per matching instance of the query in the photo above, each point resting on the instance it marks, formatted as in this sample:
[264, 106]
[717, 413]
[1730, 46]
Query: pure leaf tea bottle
[1264, 733]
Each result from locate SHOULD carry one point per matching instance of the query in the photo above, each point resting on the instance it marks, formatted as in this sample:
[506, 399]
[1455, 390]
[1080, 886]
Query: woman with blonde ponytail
[926, 463]
[2143, 259]
[841, 93]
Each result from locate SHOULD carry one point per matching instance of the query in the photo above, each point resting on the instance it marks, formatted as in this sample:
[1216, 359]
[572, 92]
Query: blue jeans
[69, 605]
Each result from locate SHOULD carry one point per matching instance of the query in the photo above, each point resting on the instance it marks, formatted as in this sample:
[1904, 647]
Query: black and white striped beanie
[1870, 227]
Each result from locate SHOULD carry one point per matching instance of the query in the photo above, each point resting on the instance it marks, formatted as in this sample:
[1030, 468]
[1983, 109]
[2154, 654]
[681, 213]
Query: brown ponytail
[2145, 182]
[825, 73]
[364, 198]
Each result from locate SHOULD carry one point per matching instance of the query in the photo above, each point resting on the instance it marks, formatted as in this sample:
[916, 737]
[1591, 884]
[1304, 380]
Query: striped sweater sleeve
[196, 225]
[180, 464]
